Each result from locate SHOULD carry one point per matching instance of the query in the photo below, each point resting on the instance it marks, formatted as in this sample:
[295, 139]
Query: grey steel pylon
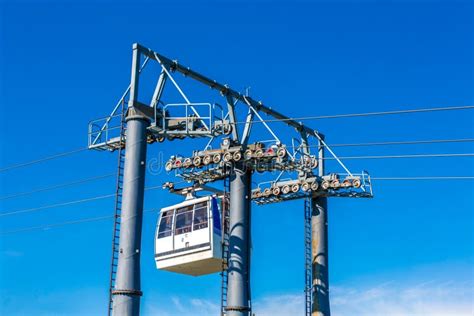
[238, 294]
[319, 228]
[127, 291]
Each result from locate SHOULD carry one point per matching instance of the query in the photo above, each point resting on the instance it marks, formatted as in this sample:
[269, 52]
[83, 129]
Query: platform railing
[365, 189]
[197, 119]
[104, 133]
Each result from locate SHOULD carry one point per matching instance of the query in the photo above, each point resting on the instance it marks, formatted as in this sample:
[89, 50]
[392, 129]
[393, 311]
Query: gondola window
[184, 217]
[166, 224]
[200, 216]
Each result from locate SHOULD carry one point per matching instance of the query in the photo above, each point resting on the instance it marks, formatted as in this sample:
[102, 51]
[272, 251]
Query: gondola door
[183, 227]
[201, 233]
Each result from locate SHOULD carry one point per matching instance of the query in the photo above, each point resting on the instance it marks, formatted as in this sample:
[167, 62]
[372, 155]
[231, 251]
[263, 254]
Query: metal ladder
[307, 257]
[249, 264]
[225, 241]
[118, 211]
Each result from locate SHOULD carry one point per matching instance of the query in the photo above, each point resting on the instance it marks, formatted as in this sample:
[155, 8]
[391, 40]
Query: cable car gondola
[188, 237]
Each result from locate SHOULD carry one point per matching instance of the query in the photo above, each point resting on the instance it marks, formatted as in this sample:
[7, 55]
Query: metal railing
[197, 119]
[365, 189]
[104, 133]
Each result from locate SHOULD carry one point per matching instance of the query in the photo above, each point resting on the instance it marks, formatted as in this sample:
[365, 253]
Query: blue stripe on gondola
[216, 218]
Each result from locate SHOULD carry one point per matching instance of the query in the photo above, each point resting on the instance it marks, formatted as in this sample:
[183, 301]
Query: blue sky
[408, 251]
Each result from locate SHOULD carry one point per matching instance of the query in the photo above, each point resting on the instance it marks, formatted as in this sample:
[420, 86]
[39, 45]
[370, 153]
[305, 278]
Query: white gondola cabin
[188, 237]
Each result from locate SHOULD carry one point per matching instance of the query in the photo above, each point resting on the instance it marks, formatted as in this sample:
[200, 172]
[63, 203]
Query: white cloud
[398, 299]
[279, 305]
[184, 306]
[389, 299]
[410, 294]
